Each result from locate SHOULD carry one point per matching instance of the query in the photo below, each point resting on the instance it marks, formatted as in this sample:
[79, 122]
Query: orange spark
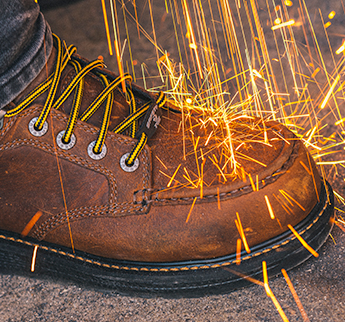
[303, 242]
[117, 47]
[330, 92]
[277, 21]
[270, 293]
[218, 198]
[189, 101]
[238, 251]
[286, 195]
[62, 184]
[284, 24]
[192, 45]
[247, 278]
[162, 163]
[33, 260]
[173, 176]
[331, 15]
[315, 72]
[241, 232]
[265, 275]
[107, 28]
[312, 175]
[339, 121]
[269, 207]
[191, 208]
[340, 49]
[340, 226]
[295, 296]
[220, 170]
[251, 182]
[31, 223]
[305, 167]
[243, 156]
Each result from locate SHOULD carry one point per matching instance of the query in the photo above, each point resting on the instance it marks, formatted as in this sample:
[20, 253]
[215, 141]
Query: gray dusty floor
[319, 282]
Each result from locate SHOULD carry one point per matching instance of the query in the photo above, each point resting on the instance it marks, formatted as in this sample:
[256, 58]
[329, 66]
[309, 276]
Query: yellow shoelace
[131, 122]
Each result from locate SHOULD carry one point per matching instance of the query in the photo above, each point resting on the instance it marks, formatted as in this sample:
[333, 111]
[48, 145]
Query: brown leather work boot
[121, 192]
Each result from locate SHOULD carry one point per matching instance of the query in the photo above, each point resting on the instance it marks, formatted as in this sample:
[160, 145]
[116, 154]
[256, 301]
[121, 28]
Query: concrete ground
[318, 282]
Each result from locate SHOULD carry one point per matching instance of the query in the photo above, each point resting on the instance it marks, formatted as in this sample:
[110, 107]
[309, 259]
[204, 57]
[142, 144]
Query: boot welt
[171, 280]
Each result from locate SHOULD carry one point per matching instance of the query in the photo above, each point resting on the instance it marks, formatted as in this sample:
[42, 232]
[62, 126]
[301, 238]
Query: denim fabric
[25, 45]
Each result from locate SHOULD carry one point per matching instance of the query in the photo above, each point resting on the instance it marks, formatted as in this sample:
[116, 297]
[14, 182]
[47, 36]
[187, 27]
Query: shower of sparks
[238, 72]
[240, 84]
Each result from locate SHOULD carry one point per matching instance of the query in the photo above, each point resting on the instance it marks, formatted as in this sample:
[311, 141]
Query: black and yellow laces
[107, 95]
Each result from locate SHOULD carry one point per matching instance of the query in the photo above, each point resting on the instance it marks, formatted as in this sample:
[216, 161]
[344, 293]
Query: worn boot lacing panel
[131, 122]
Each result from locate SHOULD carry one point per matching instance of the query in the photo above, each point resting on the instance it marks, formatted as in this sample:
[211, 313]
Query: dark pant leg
[25, 45]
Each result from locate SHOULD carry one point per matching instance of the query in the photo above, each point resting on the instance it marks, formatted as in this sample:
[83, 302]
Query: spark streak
[269, 207]
[303, 242]
[33, 259]
[261, 90]
[107, 27]
[191, 208]
[270, 293]
[173, 176]
[330, 92]
[295, 296]
[238, 252]
[31, 223]
[241, 232]
[284, 24]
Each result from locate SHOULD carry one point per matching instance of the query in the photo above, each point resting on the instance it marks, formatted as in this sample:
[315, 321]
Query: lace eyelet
[63, 145]
[35, 132]
[127, 168]
[93, 155]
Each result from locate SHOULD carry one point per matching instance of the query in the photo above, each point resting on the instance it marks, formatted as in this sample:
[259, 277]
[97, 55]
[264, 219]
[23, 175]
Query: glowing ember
[331, 15]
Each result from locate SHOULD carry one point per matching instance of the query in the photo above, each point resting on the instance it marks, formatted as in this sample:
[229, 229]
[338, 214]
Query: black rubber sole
[179, 279]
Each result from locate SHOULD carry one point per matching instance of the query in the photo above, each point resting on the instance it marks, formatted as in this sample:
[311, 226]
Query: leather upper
[142, 215]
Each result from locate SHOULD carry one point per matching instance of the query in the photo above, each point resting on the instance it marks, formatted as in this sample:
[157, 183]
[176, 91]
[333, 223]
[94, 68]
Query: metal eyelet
[93, 155]
[127, 168]
[63, 145]
[32, 129]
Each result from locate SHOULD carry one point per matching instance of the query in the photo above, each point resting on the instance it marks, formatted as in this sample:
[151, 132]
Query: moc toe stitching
[130, 234]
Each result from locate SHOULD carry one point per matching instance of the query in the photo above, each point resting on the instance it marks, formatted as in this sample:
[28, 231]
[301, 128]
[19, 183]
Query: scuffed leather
[135, 216]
